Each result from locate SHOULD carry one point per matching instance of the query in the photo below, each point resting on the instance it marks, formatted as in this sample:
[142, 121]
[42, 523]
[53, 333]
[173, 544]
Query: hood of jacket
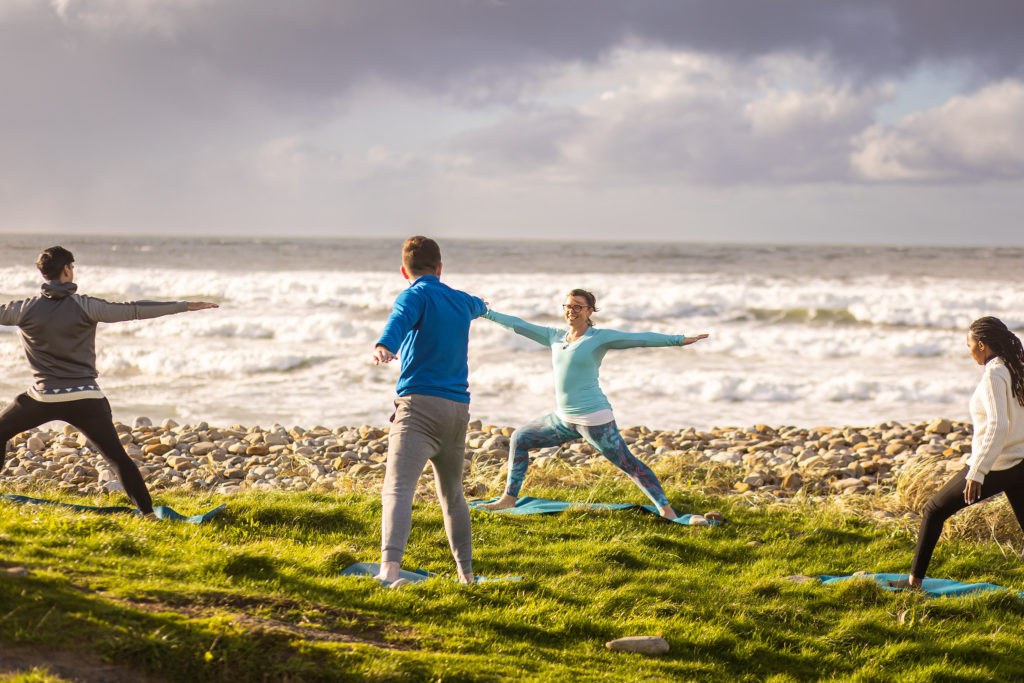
[55, 289]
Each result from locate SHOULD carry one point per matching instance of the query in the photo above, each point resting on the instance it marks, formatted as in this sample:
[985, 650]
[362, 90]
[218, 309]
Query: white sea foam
[293, 345]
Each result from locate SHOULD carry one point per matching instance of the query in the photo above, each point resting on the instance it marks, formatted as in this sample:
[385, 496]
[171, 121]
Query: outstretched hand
[381, 354]
[693, 340]
[200, 305]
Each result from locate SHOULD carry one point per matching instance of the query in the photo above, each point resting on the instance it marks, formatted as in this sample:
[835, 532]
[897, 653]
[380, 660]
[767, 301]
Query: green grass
[256, 595]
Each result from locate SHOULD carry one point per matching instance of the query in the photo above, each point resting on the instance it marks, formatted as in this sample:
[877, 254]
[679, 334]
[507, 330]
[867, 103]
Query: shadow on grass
[305, 517]
[49, 612]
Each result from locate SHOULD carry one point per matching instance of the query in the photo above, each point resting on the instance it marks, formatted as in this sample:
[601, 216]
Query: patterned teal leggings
[551, 430]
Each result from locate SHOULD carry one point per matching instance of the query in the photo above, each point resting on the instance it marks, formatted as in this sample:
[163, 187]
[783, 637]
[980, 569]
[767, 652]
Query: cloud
[252, 112]
[685, 117]
[159, 18]
[481, 50]
[972, 137]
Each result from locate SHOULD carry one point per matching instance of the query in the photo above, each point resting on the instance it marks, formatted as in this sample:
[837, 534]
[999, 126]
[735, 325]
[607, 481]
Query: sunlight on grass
[257, 593]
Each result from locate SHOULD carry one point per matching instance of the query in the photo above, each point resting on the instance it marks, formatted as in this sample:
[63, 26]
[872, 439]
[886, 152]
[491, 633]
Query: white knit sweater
[998, 442]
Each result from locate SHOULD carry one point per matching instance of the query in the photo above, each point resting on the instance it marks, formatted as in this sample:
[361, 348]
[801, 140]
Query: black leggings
[950, 500]
[92, 417]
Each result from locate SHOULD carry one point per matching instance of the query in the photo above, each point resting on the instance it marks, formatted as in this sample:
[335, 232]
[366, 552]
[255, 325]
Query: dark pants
[92, 417]
[950, 500]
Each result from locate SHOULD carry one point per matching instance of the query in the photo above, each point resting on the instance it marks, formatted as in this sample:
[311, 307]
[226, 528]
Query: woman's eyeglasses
[576, 308]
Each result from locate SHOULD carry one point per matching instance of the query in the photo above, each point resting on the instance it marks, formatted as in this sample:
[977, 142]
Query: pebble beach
[764, 461]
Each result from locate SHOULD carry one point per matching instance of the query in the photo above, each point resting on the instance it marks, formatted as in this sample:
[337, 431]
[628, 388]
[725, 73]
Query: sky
[662, 120]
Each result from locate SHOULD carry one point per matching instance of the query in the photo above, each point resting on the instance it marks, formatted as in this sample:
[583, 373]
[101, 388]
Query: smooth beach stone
[648, 645]
[157, 449]
[180, 463]
[215, 457]
[35, 444]
[276, 440]
[930, 449]
[142, 421]
[848, 483]
[360, 469]
[202, 447]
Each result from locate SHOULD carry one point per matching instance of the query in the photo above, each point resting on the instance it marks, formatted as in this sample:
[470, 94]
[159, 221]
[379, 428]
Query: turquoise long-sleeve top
[577, 364]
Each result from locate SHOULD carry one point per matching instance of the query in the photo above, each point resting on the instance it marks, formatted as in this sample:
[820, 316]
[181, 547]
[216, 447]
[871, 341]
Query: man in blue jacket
[429, 330]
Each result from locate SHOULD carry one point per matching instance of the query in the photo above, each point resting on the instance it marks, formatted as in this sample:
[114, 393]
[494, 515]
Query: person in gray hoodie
[58, 331]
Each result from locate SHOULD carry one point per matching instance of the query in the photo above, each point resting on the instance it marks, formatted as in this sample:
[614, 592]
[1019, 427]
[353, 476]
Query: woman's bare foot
[503, 503]
[667, 512]
[466, 579]
[909, 582]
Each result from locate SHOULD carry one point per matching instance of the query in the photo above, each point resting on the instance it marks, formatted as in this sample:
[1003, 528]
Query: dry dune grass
[994, 518]
[674, 471]
[919, 480]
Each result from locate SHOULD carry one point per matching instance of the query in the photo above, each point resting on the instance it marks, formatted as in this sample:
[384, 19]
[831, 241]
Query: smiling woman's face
[576, 309]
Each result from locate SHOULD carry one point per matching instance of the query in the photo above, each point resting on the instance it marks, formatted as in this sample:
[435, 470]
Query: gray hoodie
[58, 331]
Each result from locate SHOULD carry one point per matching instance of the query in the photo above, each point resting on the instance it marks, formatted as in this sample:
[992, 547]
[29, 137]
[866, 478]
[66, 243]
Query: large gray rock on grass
[648, 645]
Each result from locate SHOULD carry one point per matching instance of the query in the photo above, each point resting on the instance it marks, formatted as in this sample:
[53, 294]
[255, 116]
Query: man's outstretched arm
[10, 313]
[102, 311]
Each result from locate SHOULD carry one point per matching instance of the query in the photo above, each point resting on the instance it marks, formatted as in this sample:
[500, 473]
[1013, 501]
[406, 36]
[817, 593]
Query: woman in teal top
[583, 410]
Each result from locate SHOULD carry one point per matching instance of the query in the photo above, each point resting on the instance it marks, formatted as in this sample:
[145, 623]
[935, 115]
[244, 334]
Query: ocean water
[800, 335]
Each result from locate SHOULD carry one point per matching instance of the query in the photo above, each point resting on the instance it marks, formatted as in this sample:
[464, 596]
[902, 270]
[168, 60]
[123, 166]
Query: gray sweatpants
[426, 428]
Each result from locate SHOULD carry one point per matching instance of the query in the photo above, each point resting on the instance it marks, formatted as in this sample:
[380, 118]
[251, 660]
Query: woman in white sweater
[996, 462]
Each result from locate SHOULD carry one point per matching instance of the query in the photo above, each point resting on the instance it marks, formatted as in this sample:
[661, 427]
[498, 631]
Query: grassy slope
[257, 594]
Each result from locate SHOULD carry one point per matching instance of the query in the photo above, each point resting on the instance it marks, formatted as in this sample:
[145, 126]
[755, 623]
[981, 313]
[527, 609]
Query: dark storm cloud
[320, 48]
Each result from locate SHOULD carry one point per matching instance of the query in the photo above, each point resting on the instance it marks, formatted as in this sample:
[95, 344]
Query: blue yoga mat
[161, 511]
[371, 568]
[938, 588]
[541, 506]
